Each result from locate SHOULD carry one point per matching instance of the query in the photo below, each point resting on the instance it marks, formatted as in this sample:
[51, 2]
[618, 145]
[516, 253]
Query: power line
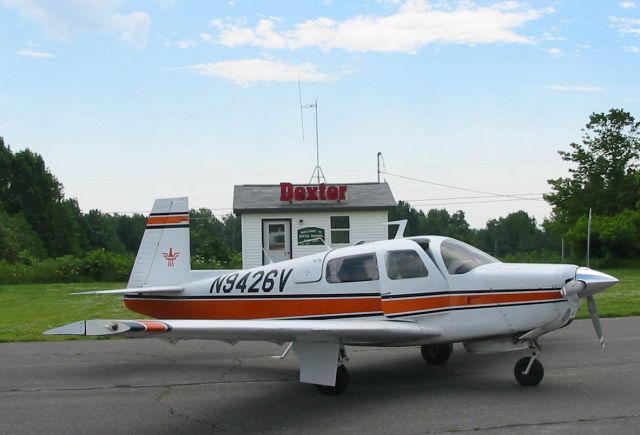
[459, 188]
[474, 197]
[471, 202]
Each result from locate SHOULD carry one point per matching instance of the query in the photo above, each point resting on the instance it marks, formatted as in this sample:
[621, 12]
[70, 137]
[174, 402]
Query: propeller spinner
[587, 283]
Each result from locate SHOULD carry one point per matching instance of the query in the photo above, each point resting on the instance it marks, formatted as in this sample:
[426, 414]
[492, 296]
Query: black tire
[342, 380]
[535, 375]
[436, 354]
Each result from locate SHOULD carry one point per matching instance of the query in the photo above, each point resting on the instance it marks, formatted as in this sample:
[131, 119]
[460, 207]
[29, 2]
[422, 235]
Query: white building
[288, 221]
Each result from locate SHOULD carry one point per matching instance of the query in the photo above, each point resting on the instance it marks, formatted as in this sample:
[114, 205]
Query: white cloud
[206, 37]
[247, 71]
[186, 44]
[555, 52]
[568, 88]
[65, 19]
[627, 5]
[627, 25]
[633, 49]
[415, 24]
[29, 52]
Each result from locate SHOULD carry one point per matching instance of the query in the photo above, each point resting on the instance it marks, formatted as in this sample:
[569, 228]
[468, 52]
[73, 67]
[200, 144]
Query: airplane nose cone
[594, 280]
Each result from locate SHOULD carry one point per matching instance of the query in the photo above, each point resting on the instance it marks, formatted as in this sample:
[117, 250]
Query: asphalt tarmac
[151, 386]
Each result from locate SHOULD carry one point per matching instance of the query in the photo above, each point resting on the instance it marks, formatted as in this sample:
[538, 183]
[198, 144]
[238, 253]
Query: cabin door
[276, 240]
[411, 284]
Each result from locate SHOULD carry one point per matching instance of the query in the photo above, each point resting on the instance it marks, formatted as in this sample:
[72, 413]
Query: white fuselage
[429, 279]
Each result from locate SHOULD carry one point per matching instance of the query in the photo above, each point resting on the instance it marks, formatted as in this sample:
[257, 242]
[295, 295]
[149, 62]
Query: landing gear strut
[436, 354]
[342, 377]
[528, 370]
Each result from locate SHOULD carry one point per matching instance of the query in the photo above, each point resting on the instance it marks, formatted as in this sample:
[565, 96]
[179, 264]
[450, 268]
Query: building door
[276, 240]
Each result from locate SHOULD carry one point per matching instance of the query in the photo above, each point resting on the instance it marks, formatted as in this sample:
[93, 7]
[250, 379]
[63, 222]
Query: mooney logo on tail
[170, 257]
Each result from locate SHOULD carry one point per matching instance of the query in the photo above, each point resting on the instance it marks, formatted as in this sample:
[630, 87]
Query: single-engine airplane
[427, 291]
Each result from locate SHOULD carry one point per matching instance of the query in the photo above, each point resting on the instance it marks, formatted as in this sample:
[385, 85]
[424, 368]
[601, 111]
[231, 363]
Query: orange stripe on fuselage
[239, 309]
[225, 309]
[163, 220]
[396, 306]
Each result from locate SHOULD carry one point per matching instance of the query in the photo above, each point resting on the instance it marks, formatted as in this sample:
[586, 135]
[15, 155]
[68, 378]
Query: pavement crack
[165, 393]
[232, 368]
[133, 387]
[543, 423]
[186, 417]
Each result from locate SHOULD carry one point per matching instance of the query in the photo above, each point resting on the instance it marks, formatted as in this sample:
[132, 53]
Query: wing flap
[353, 332]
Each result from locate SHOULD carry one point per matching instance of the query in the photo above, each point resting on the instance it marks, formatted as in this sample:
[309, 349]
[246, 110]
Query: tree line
[44, 234]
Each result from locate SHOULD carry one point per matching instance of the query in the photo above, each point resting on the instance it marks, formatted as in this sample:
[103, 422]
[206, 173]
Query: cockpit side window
[460, 258]
[354, 268]
[404, 264]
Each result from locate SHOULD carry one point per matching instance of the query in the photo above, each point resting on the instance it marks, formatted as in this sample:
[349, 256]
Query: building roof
[265, 198]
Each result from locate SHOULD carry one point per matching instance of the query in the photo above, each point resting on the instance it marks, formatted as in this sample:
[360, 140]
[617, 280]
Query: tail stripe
[167, 220]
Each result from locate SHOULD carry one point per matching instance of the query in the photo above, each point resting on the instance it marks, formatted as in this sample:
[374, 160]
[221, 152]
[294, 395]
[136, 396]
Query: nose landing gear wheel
[342, 380]
[436, 354]
[535, 374]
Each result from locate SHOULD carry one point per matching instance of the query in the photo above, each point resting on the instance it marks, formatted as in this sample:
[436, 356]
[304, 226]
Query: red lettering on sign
[312, 193]
[299, 193]
[321, 192]
[286, 191]
[332, 193]
[343, 193]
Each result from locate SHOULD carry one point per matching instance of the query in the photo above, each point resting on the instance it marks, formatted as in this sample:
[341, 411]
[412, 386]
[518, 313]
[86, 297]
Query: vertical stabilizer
[164, 256]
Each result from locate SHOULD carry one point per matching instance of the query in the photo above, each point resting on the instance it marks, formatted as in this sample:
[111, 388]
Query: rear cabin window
[405, 264]
[355, 268]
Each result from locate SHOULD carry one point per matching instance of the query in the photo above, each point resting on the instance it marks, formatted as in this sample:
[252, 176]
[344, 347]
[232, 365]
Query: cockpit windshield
[460, 258]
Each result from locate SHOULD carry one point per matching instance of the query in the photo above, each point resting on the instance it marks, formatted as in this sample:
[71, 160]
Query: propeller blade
[593, 311]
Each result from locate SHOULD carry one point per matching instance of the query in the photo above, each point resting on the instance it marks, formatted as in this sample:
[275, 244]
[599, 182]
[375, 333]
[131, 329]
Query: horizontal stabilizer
[362, 332]
[135, 290]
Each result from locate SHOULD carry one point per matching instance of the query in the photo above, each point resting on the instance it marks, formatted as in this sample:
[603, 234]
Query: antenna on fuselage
[402, 225]
[589, 239]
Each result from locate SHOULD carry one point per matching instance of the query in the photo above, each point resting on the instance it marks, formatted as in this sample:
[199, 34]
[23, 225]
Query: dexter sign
[320, 192]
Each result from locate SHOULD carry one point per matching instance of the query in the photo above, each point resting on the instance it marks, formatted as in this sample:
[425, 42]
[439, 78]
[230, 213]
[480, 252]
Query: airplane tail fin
[164, 256]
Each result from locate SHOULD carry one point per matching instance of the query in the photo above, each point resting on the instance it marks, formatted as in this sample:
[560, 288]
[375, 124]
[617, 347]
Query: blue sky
[129, 101]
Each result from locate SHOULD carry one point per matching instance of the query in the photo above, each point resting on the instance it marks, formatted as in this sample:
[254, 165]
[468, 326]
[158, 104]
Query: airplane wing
[343, 331]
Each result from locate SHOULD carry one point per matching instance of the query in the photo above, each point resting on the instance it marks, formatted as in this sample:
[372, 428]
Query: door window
[276, 237]
[405, 264]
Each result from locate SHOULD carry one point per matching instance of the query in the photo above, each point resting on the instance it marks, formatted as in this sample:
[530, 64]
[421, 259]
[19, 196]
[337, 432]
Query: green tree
[208, 246]
[437, 222]
[605, 176]
[18, 240]
[515, 233]
[130, 230]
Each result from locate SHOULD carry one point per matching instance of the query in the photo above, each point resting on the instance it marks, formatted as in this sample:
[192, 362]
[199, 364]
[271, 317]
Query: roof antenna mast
[317, 172]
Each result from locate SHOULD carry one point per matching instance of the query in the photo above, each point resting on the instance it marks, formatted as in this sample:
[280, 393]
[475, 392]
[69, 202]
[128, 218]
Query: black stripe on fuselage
[334, 316]
[254, 297]
[478, 307]
[463, 292]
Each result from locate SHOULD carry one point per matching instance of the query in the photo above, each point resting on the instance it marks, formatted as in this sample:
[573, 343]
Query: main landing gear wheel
[436, 354]
[533, 376]
[342, 380]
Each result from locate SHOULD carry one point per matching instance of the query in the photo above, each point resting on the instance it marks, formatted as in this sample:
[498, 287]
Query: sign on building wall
[311, 236]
